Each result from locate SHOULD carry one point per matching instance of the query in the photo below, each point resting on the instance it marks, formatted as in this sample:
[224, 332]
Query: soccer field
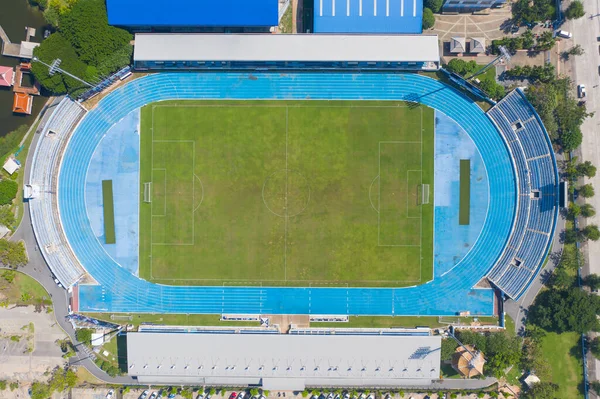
[286, 193]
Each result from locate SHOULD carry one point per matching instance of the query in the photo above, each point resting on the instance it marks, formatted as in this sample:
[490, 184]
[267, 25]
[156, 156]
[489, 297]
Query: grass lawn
[563, 352]
[169, 319]
[23, 291]
[287, 193]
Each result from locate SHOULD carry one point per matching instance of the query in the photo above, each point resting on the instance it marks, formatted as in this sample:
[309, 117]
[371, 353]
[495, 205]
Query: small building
[368, 16]
[22, 104]
[24, 80]
[26, 51]
[468, 361]
[7, 76]
[477, 45]
[531, 380]
[458, 45]
[97, 339]
[11, 165]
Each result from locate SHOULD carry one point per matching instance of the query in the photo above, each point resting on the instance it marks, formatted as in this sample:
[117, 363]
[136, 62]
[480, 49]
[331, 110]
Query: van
[564, 33]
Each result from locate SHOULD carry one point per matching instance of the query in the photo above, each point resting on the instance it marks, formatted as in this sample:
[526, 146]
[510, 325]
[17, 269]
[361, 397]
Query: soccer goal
[425, 194]
[147, 191]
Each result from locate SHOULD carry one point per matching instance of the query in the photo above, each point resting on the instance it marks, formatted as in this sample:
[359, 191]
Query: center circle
[286, 193]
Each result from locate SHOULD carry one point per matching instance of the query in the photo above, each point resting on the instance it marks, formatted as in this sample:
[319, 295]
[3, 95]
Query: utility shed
[193, 13]
[283, 361]
[368, 16]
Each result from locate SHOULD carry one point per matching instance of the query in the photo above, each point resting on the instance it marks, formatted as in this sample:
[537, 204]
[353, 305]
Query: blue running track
[120, 291]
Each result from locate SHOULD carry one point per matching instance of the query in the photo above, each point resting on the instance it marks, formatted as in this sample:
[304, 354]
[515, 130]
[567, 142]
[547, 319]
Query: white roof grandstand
[283, 360]
[237, 47]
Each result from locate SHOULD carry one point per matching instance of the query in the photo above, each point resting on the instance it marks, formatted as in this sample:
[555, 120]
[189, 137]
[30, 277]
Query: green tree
[12, 254]
[590, 232]
[564, 310]
[433, 5]
[253, 392]
[13, 385]
[586, 191]
[2, 385]
[528, 39]
[84, 335]
[587, 211]
[574, 211]
[563, 278]
[592, 281]
[305, 394]
[9, 276]
[8, 191]
[95, 42]
[541, 390]
[595, 385]
[586, 169]
[70, 378]
[7, 216]
[428, 19]
[448, 348]
[40, 390]
[575, 10]
[56, 46]
[545, 41]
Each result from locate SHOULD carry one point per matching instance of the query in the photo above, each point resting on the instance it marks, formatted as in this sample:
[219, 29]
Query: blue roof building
[193, 13]
[368, 16]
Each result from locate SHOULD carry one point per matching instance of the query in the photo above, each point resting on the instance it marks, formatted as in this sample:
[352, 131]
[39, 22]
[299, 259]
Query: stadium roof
[282, 360]
[368, 16]
[237, 47]
[189, 13]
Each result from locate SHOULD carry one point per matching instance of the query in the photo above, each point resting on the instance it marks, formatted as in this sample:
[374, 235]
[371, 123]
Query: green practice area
[286, 193]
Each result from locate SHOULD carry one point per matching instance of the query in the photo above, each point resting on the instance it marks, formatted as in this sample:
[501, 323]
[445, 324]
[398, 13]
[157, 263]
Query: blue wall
[188, 13]
[368, 16]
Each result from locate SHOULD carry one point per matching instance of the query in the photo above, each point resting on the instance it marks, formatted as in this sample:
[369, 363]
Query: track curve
[120, 291]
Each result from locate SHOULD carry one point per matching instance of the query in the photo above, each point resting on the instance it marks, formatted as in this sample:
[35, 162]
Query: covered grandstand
[285, 52]
[537, 198]
[41, 190]
[283, 361]
[368, 16]
[193, 14]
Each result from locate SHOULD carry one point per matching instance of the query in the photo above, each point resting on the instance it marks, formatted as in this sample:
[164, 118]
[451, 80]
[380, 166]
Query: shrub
[586, 191]
[84, 335]
[13, 385]
[2, 385]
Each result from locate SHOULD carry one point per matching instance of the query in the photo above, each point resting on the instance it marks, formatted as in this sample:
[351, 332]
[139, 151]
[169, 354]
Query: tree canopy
[433, 5]
[575, 10]
[428, 18]
[526, 11]
[564, 310]
[590, 232]
[500, 349]
[87, 46]
[586, 191]
[541, 390]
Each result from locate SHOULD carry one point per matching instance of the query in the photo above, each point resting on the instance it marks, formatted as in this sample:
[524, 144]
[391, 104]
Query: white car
[241, 395]
[581, 91]
[154, 395]
[110, 394]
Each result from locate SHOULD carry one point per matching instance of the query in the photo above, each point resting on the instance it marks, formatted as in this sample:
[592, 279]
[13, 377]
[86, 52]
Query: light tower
[504, 54]
[55, 67]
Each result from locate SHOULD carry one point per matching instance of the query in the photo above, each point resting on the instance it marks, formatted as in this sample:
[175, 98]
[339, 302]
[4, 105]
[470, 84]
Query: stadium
[302, 181]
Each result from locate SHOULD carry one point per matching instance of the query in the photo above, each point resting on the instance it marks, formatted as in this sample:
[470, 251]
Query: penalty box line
[152, 243]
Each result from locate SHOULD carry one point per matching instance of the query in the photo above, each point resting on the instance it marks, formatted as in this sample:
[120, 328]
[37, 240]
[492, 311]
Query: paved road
[585, 69]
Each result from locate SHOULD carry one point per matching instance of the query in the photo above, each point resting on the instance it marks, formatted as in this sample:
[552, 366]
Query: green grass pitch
[286, 193]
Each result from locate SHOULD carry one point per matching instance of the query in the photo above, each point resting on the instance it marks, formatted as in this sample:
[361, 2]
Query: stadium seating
[535, 166]
[43, 208]
[120, 291]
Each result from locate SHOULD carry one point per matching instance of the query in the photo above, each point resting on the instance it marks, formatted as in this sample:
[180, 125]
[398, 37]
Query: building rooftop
[282, 360]
[313, 47]
[458, 45]
[368, 16]
[7, 76]
[22, 103]
[193, 13]
[477, 45]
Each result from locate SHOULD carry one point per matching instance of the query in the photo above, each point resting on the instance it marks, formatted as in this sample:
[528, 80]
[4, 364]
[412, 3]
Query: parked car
[242, 395]
[171, 396]
[144, 394]
[110, 394]
[564, 34]
[154, 395]
[233, 395]
[581, 91]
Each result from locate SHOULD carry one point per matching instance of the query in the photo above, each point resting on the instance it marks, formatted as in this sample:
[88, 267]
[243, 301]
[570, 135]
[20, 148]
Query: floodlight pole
[504, 54]
[55, 67]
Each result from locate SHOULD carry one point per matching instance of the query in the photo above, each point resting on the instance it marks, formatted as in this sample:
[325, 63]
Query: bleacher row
[43, 208]
[537, 207]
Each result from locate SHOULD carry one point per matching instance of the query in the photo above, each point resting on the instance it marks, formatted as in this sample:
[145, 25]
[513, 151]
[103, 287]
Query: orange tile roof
[22, 103]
